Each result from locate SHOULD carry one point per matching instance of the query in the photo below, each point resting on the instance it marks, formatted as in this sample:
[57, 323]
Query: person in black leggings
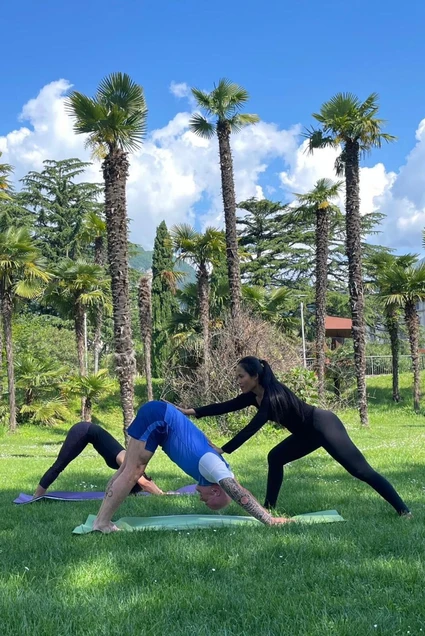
[108, 448]
[311, 428]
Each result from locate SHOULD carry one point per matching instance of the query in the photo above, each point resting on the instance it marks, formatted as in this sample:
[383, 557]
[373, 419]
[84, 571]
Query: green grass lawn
[364, 576]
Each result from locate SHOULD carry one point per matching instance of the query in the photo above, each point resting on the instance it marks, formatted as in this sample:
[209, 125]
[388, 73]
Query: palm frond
[239, 121]
[201, 126]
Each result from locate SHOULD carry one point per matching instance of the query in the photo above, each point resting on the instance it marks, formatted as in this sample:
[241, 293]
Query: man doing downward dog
[162, 424]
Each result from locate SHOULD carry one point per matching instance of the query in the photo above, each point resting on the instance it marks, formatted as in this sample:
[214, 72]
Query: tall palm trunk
[80, 339]
[229, 203]
[322, 233]
[87, 410]
[412, 322]
[204, 314]
[1, 359]
[115, 171]
[145, 317]
[99, 259]
[391, 320]
[355, 277]
[6, 312]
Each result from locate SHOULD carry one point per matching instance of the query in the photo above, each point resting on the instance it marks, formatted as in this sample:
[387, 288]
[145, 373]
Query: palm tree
[403, 285]
[273, 306]
[22, 273]
[5, 171]
[347, 121]
[46, 412]
[379, 264]
[317, 204]
[203, 251]
[94, 231]
[145, 316]
[34, 375]
[223, 105]
[115, 122]
[90, 388]
[75, 289]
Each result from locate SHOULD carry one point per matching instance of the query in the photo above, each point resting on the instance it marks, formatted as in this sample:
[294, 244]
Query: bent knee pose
[78, 437]
[161, 424]
[311, 428]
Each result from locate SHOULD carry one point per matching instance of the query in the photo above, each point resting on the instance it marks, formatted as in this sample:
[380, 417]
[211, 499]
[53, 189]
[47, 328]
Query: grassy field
[364, 576]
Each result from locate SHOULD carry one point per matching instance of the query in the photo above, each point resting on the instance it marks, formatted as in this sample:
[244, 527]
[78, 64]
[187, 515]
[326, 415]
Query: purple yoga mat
[59, 495]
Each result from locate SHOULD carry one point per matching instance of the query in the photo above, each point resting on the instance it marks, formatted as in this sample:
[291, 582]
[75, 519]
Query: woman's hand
[187, 412]
[216, 448]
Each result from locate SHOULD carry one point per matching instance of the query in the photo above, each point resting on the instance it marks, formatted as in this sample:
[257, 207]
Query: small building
[338, 329]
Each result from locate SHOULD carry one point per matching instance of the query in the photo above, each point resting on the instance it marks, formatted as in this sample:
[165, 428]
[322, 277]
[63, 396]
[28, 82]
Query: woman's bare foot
[39, 492]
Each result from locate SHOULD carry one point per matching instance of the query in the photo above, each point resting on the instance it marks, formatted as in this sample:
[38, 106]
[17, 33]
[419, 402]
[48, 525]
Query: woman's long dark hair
[281, 399]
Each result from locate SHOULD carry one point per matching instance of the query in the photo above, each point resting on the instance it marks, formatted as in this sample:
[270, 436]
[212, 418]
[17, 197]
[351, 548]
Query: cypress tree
[164, 302]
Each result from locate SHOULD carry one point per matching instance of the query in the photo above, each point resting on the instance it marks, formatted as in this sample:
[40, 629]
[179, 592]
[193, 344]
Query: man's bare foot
[105, 529]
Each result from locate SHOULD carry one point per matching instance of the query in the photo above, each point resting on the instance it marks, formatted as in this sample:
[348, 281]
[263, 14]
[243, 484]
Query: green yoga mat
[192, 522]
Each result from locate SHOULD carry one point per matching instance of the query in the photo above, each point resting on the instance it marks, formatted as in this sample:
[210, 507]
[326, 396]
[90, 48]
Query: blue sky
[290, 56]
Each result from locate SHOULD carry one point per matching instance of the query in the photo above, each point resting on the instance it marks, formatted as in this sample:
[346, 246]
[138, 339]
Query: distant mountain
[141, 260]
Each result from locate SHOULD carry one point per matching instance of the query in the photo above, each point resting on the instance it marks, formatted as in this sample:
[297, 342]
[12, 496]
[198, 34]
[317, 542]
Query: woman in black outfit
[311, 428]
[108, 448]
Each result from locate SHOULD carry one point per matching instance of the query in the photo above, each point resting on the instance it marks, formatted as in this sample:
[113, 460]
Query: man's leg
[135, 462]
[292, 448]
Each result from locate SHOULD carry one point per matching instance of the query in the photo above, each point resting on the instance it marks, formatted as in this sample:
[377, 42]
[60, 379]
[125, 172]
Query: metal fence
[382, 365]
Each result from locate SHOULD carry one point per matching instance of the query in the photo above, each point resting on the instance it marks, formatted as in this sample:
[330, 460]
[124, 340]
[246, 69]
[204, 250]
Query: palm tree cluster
[87, 290]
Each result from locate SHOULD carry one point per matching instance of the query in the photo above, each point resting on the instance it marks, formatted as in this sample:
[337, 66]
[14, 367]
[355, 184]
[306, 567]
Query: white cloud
[175, 175]
[180, 89]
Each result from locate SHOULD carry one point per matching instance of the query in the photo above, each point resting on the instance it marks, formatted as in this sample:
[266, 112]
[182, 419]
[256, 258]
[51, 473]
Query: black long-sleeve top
[291, 420]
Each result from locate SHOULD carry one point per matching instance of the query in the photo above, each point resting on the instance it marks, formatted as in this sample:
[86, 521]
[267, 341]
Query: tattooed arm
[248, 502]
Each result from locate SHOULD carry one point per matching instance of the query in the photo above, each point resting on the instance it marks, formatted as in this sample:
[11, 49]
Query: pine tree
[164, 302]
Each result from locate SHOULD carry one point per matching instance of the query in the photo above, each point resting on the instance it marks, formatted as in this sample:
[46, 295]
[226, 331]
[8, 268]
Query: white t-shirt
[213, 468]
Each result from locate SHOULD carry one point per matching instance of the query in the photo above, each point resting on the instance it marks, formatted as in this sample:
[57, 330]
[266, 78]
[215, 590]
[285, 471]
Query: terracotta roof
[338, 327]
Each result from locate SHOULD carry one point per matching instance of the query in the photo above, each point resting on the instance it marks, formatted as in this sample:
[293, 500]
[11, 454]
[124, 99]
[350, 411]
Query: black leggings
[328, 432]
[75, 442]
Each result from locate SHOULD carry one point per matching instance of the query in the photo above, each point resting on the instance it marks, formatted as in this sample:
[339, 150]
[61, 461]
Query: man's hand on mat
[277, 521]
[106, 529]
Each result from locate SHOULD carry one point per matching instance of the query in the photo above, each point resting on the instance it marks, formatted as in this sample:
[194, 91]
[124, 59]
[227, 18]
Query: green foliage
[78, 284]
[278, 242]
[33, 375]
[5, 187]
[303, 382]
[141, 260]
[93, 386]
[164, 302]
[59, 205]
[22, 270]
[274, 306]
[46, 413]
[262, 241]
[45, 337]
[115, 118]
[223, 104]
[345, 119]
